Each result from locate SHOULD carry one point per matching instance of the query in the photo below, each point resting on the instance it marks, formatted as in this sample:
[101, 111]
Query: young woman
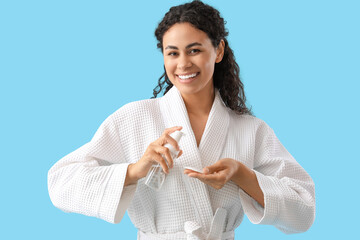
[245, 167]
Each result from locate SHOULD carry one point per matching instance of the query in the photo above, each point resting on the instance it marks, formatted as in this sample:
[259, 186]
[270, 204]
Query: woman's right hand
[153, 156]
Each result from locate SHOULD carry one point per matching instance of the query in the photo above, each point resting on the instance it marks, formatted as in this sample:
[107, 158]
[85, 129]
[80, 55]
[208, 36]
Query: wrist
[246, 179]
[131, 176]
[243, 175]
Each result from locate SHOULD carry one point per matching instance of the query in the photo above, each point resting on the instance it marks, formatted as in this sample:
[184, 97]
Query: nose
[184, 62]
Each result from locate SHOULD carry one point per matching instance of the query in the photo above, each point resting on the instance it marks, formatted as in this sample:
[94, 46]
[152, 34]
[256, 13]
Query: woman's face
[190, 58]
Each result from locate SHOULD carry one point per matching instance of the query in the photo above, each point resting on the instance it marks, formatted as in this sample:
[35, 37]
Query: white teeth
[187, 76]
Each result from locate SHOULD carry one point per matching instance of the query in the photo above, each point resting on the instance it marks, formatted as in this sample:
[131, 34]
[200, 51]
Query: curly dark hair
[226, 73]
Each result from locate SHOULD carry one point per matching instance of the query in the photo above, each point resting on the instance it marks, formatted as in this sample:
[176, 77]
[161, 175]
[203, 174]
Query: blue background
[67, 65]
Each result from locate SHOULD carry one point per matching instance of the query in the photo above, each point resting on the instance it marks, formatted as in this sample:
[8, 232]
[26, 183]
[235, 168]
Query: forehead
[182, 34]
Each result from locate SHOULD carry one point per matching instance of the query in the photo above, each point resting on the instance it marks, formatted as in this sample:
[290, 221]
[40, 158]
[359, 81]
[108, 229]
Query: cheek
[208, 63]
[209, 67]
[169, 66]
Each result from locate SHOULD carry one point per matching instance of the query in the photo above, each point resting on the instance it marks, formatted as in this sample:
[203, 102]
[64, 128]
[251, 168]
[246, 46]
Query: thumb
[213, 168]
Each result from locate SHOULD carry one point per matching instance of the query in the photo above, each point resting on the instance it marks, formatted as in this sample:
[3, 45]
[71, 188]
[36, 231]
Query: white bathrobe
[91, 179]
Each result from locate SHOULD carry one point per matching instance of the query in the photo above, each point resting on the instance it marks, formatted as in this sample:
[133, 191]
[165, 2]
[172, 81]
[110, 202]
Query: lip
[189, 80]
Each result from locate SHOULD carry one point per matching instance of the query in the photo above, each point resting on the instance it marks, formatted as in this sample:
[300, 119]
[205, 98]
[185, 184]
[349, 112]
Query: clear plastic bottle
[156, 176]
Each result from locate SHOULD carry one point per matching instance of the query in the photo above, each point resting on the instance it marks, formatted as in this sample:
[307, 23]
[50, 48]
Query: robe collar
[210, 148]
[216, 125]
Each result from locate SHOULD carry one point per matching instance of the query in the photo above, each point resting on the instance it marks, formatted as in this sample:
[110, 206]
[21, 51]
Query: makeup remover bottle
[156, 176]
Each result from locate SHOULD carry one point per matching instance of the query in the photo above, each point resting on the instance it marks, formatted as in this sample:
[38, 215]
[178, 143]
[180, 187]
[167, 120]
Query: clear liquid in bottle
[155, 177]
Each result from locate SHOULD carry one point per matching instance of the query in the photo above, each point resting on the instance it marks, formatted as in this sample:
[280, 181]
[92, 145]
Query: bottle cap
[177, 135]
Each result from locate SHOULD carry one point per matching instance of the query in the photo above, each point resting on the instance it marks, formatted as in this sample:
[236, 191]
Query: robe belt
[193, 231]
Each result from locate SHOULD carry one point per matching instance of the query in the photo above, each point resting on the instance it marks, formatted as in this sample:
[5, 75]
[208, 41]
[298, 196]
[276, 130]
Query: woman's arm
[289, 192]
[131, 177]
[246, 179]
[90, 180]
[277, 191]
[228, 169]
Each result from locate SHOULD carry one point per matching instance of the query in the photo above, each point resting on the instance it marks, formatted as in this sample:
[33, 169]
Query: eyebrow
[188, 46]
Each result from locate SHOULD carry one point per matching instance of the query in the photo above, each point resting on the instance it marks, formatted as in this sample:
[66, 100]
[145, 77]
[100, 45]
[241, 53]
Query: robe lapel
[174, 113]
[214, 137]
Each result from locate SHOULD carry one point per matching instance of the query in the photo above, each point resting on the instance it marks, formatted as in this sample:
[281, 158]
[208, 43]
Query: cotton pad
[194, 169]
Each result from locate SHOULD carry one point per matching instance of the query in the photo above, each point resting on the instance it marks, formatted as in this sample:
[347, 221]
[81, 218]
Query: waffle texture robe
[90, 180]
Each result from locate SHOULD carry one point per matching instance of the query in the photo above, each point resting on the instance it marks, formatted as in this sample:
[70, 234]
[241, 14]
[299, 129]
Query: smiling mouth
[188, 77]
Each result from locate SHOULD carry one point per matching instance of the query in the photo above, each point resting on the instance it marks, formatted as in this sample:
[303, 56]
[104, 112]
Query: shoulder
[251, 126]
[136, 109]
[134, 113]
[247, 121]
[253, 129]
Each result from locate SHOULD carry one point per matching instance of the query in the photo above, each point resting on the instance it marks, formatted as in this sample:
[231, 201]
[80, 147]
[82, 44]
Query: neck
[199, 103]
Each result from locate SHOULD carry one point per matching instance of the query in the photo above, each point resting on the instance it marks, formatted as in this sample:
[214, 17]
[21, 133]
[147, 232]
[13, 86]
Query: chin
[188, 89]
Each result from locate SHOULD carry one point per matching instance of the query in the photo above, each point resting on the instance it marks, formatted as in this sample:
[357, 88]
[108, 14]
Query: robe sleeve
[289, 191]
[90, 180]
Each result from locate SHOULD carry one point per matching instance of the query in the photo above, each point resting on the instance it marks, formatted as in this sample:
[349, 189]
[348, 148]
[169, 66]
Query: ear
[220, 51]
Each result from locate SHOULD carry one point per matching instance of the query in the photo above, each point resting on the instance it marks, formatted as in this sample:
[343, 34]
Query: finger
[187, 171]
[213, 184]
[172, 141]
[166, 153]
[205, 177]
[171, 130]
[159, 159]
[180, 153]
[194, 175]
[163, 138]
[198, 175]
[213, 168]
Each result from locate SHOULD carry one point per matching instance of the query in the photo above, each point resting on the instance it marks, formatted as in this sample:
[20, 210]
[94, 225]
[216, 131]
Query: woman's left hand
[218, 174]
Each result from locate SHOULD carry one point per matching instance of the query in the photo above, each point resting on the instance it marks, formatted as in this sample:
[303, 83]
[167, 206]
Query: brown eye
[194, 51]
[172, 54]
